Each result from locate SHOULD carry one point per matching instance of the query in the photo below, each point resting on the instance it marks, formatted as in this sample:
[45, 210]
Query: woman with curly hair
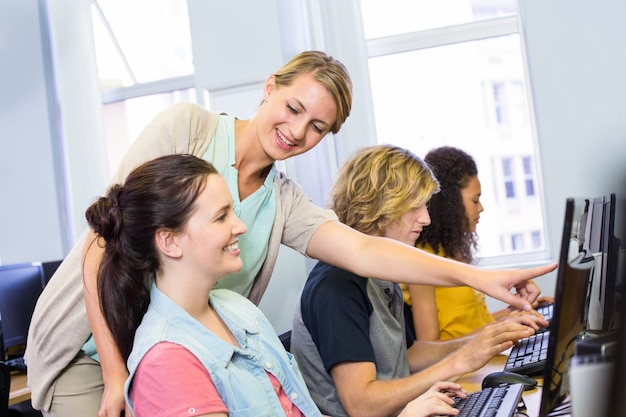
[439, 313]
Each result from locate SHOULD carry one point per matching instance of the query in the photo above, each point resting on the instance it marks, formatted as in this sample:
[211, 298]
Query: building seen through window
[452, 73]
[145, 64]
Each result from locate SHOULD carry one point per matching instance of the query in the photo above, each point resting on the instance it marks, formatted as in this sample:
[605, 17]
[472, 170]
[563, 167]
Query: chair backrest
[49, 268]
[5, 387]
[285, 338]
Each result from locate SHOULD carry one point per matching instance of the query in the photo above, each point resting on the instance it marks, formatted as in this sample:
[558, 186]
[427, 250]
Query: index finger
[527, 290]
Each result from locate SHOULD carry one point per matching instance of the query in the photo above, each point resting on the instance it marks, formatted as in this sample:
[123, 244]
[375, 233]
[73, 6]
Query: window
[521, 241]
[529, 180]
[141, 41]
[509, 180]
[452, 73]
[508, 105]
[517, 242]
[125, 119]
[499, 106]
[144, 57]
[395, 17]
[536, 239]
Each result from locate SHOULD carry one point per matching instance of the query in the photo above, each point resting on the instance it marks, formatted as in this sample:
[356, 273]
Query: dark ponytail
[159, 194]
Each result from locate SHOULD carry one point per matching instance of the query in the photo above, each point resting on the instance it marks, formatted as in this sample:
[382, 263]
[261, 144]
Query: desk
[19, 391]
[470, 382]
[473, 382]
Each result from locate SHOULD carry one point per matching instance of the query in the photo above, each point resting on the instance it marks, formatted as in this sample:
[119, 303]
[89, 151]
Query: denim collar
[241, 325]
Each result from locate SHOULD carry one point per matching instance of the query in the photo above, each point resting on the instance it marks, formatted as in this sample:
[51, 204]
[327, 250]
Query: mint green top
[257, 211]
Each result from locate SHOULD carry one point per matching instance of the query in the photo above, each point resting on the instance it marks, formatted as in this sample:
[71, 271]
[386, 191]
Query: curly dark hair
[449, 230]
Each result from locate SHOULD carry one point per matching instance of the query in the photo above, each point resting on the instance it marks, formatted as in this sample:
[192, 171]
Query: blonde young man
[349, 334]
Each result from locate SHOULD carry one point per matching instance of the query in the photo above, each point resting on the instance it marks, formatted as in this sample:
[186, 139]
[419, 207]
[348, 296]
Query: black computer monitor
[597, 229]
[618, 380]
[610, 286]
[570, 305]
[602, 242]
[592, 243]
[20, 287]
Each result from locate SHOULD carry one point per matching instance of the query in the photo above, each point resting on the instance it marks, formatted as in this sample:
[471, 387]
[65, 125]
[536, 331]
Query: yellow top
[460, 310]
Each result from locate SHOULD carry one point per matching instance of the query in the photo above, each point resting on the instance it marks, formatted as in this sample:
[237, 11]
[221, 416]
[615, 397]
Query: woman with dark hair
[169, 233]
[442, 313]
[436, 312]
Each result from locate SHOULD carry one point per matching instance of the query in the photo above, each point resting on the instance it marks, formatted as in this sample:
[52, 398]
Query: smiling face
[294, 118]
[471, 200]
[210, 238]
[408, 228]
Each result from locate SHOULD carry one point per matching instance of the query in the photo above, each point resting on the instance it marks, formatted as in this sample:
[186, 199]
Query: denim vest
[239, 373]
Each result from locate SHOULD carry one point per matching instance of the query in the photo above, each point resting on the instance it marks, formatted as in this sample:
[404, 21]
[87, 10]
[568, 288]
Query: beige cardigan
[60, 327]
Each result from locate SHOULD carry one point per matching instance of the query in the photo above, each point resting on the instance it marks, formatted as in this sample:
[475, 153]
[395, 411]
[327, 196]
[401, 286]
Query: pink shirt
[172, 382]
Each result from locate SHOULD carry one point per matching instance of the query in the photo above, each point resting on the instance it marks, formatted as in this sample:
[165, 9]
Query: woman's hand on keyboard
[437, 401]
[528, 318]
[542, 301]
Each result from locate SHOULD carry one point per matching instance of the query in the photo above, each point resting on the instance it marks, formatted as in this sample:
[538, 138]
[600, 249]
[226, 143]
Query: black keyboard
[500, 401]
[16, 364]
[546, 311]
[528, 356]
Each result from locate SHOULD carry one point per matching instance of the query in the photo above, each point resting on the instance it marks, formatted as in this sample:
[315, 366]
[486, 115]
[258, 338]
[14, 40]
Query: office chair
[49, 268]
[285, 338]
[5, 389]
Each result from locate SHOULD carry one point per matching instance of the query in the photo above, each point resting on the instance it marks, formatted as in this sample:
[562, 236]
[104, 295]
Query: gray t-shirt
[342, 317]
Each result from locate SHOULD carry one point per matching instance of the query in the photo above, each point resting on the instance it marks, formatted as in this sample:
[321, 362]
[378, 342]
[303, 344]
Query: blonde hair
[378, 185]
[326, 70]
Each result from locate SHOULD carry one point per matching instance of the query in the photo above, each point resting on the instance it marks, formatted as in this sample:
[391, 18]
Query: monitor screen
[604, 245]
[618, 381]
[609, 284]
[593, 244]
[570, 304]
[20, 287]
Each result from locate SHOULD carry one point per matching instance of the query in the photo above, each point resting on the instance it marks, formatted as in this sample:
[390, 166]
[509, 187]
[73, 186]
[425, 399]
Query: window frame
[467, 32]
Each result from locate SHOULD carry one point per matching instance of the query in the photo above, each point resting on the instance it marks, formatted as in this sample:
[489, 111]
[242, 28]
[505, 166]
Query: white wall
[31, 194]
[80, 108]
[577, 76]
[52, 162]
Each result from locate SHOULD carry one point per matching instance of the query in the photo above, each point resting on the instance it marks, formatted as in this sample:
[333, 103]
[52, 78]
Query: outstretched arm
[114, 372]
[382, 258]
